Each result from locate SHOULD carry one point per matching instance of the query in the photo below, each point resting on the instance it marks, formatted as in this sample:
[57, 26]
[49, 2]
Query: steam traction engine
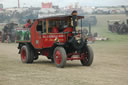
[56, 38]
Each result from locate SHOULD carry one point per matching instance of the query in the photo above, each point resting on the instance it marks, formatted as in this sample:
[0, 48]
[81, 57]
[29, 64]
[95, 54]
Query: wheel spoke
[87, 56]
[58, 57]
[23, 54]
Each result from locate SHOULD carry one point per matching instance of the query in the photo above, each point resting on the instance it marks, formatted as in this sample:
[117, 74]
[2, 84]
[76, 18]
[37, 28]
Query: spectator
[28, 24]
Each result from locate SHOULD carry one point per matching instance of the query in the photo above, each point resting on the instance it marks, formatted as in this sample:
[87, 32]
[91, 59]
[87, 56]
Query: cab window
[39, 26]
[44, 26]
[57, 24]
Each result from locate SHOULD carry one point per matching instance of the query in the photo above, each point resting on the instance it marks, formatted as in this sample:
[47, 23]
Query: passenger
[55, 30]
[28, 24]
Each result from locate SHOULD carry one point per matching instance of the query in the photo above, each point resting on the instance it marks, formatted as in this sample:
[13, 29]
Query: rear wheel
[26, 56]
[87, 56]
[60, 57]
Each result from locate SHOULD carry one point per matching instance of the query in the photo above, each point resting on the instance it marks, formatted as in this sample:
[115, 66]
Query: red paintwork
[27, 25]
[54, 30]
[23, 54]
[68, 29]
[58, 57]
[82, 56]
[45, 40]
[49, 39]
[70, 54]
[33, 29]
[36, 37]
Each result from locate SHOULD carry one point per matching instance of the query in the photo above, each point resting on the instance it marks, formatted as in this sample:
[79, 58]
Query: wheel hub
[23, 55]
[58, 57]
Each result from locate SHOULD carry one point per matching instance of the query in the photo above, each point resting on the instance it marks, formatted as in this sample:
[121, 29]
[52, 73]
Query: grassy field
[102, 28]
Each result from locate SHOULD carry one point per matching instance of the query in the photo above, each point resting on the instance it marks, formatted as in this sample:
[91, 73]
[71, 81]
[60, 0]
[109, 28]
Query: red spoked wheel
[23, 55]
[26, 56]
[60, 57]
[87, 56]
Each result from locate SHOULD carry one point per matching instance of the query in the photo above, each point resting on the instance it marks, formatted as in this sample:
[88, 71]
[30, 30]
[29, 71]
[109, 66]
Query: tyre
[87, 56]
[60, 57]
[26, 56]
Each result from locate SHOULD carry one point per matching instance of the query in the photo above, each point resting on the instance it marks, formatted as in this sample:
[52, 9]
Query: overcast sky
[37, 3]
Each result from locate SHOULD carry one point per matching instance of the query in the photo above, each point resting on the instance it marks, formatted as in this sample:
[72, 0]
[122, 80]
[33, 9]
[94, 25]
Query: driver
[74, 20]
[55, 29]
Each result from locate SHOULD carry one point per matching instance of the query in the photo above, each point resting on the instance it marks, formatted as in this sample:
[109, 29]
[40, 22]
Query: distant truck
[55, 38]
[116, 26]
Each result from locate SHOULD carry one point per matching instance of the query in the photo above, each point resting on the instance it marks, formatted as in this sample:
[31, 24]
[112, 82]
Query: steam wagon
[56, 38]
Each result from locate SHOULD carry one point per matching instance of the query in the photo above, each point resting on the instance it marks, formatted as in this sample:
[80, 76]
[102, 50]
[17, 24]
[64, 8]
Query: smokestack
[18, 3]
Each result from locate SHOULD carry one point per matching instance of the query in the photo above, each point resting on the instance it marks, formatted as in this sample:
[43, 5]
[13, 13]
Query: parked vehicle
[9, 32]
[55, 38]
[117, 27]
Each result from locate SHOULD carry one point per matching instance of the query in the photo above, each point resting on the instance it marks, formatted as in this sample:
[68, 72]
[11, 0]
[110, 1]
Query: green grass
[1, 28]
[102, 29]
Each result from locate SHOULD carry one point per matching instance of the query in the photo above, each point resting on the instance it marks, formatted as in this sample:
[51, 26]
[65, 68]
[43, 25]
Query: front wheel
[87, 56]
[60, 57]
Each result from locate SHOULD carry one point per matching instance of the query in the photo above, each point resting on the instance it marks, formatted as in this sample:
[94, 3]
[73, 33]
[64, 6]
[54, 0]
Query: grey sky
[37, 3]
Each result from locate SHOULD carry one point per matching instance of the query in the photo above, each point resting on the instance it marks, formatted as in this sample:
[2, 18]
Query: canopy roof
[60, 17]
